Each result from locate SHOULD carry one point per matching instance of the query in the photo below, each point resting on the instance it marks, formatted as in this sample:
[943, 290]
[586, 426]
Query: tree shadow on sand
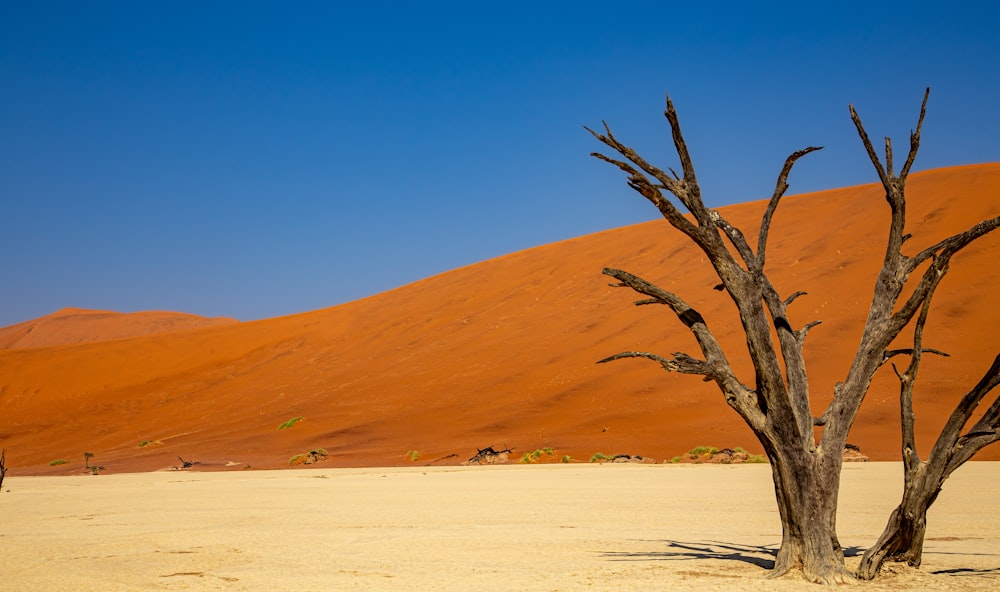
[759, 555]
[989, 572]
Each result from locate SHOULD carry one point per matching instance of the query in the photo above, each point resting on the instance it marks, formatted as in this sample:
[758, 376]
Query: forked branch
[887, 318]
[714, 366]
[643, 185]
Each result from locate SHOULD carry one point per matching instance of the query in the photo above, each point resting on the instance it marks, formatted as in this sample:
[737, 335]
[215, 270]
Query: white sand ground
[550, 527]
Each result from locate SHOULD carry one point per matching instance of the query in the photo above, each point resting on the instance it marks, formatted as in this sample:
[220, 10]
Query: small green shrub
[698, 454]
[413, 455]
[702, 450]
[59, 461]
[598, 457]
[536, 455]
[567, 458]
[289, 423]
[148, 443]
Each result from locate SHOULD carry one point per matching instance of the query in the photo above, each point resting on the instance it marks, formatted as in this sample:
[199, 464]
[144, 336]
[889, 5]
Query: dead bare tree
[902, 540]
[775, 404]
[186, 464]
[3, 467]
[903, 537]
[489, 456]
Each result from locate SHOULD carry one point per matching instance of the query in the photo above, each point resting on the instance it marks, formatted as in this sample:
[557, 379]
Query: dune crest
[78, 325]
[502, 354]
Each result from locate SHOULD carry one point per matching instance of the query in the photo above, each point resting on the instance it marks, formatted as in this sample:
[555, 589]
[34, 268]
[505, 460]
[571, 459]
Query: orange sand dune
[502, 353]
[77, 325]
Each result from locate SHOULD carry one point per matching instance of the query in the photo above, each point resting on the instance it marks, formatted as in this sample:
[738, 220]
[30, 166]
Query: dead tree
[902, 539]
[775, 401]
[3, 467]
[489, 456]
[186, 464]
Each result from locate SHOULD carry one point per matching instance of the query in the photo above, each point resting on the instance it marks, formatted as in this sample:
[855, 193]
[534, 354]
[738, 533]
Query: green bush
[536, 455]
[702, 450]
[59, 461]
[289, 423]
[598, 457]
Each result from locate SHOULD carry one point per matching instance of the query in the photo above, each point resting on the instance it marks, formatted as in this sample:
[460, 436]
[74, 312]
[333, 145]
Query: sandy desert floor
[548, 527]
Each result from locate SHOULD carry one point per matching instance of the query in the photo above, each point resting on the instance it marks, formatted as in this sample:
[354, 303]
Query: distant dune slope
[502, 353]
[77, 325]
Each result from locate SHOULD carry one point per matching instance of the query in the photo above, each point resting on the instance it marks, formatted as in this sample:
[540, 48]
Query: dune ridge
[79, 325]
[502, 353]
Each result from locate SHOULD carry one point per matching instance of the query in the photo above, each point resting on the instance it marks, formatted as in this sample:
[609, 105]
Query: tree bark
[806, 489]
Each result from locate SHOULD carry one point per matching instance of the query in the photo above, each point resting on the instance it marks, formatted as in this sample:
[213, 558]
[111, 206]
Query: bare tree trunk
[806, 492]
[3, 467]
[902, 540]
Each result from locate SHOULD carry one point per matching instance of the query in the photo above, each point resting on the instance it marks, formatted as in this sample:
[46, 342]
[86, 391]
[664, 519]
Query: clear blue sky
[253, 159]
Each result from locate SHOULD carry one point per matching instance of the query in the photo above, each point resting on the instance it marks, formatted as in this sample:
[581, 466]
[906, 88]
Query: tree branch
[682, 363]
[892, 353]
[691, 318]
[779, 191]
[745, 284]
[642, 185]
[953, 244]
[793, 297]
[693, 194]
[907, 381]
[952, 450]
[872, 156]
[805, 329]
[941, 254]
[868, 146]
[915, 138]
[715, 365]
[885, 320]
[738, 240]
